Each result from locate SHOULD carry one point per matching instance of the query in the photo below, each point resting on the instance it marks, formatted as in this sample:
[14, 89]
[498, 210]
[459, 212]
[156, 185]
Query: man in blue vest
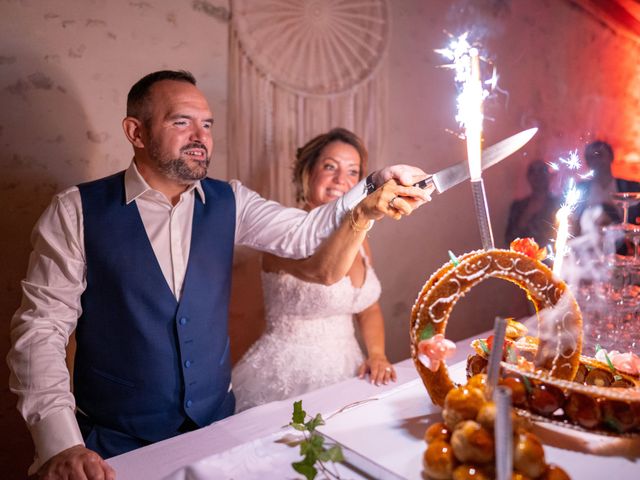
[139, 265]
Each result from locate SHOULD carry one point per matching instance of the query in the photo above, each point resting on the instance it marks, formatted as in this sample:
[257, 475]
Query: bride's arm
[333, 259]
[371, 324]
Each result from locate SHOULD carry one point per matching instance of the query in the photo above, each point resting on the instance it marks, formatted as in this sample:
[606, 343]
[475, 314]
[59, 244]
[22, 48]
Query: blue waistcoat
[145, 362]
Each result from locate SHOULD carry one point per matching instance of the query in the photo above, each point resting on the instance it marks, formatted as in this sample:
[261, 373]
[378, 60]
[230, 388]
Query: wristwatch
[370, 186]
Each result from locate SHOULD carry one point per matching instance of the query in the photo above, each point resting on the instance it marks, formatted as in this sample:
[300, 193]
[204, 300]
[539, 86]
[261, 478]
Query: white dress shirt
[56, 278]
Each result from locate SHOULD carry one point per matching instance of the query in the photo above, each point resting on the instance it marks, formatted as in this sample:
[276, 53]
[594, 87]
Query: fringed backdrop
[296, 69]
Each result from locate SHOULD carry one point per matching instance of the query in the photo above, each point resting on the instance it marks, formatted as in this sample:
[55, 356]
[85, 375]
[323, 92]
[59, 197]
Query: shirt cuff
[350, 199]
[53, 434]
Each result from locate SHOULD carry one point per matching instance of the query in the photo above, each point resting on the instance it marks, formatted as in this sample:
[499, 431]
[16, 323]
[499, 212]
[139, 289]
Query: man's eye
[180, 123]
[354, 173]
[208, 126]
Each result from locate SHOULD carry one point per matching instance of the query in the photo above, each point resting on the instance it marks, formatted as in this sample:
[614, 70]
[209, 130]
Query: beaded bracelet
[357, 228]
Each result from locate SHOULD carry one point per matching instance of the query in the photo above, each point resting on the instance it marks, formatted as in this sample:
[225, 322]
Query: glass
[610, 300]
[625, 200]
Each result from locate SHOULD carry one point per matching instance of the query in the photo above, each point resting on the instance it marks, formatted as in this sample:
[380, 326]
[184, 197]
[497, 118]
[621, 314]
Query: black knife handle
[425, 184]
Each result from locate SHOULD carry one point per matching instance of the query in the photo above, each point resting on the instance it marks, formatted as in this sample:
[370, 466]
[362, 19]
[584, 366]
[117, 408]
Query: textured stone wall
[66, 66]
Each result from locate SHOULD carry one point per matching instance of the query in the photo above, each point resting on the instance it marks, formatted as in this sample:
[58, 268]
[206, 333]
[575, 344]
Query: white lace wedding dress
[309, 340]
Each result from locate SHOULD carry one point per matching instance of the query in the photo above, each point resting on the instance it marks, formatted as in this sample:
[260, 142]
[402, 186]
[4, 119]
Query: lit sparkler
[470, 106]
[465, 61]
[571, 199]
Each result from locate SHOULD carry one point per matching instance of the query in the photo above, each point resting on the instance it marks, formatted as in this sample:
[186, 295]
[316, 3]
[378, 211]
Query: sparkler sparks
[465, 60]
[571, 199]
[572, 196]
[587, 175]
[493, 81]
[573, 161]
[460, 53]
[562, 236]
[455, 52]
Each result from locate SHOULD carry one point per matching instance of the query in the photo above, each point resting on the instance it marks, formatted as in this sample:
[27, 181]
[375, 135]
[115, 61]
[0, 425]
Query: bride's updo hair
[307, 156]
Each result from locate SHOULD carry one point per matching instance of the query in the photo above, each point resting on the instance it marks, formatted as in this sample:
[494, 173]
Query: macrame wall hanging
[298, 68]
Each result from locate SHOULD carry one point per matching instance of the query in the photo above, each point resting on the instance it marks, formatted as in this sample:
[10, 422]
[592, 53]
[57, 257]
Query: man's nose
[200, 133]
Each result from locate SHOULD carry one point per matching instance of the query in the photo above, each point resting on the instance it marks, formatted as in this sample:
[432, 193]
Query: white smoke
[603, 281]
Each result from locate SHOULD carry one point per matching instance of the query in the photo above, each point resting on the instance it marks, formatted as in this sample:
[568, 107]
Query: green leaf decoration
[609, 363]
[454, 259]
[334, 454]
[317, 421]
[309, 471]
[527, 385]
[298, 413]
[309, 450]
[317, 441]
[484, 347]
[606, 357]
[337, 454]
[427, 332]
[313, 448]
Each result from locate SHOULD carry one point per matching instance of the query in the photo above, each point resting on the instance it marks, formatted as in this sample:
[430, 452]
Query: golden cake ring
[559, 318]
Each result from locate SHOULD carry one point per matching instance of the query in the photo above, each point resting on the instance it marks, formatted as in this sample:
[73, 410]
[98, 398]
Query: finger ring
[391, 202]
[388, 369]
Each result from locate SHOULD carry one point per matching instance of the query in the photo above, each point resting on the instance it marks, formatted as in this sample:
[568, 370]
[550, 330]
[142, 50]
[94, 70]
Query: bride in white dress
[310, 339]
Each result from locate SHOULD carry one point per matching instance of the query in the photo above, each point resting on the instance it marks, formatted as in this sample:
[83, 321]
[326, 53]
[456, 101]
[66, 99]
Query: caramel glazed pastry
[539, 371]
[600, 398]
[549, 378]
[557, 354]
[462, 446]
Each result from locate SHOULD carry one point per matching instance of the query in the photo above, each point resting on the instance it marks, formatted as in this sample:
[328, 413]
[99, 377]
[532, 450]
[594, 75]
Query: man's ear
[133, 130]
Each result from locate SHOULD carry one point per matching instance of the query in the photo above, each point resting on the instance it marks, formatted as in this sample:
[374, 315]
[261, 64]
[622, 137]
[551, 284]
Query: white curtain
[298, 68]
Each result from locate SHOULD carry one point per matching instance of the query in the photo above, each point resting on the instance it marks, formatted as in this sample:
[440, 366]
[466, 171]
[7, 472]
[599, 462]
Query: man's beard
[179, 168]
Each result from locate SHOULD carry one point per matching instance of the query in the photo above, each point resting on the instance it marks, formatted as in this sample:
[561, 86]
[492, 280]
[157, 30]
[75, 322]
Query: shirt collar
[135, 185]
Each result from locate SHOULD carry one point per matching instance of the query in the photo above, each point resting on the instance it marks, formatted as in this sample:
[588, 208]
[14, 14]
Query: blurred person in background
[598, 189]
[534, 215]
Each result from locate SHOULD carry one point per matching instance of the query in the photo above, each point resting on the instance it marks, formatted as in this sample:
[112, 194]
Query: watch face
[371, 187]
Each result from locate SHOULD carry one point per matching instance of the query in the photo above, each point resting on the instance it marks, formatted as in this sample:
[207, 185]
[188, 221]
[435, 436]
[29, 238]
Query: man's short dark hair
[140, 90]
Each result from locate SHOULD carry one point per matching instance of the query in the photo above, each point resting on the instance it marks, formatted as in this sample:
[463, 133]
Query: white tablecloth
[162, 459]
[388, 430]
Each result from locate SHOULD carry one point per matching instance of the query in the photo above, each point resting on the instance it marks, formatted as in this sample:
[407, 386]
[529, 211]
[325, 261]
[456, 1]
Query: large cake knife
[455, 174]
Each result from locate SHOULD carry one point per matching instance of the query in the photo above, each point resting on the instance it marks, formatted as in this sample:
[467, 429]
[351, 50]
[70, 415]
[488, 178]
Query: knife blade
[361, 465]
[455, 174]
